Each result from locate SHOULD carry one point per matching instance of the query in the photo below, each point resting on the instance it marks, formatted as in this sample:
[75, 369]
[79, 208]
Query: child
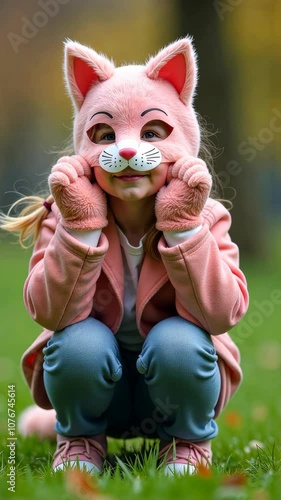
[133, 276]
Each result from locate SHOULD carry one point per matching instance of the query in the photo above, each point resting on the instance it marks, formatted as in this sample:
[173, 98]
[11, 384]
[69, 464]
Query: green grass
[247, 450]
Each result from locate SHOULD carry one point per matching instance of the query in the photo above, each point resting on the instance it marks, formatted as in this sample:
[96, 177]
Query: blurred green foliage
[238, 45]
[249, 428]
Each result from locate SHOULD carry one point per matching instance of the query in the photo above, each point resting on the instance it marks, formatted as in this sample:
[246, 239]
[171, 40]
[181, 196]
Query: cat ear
[176, 64]
[82, 68]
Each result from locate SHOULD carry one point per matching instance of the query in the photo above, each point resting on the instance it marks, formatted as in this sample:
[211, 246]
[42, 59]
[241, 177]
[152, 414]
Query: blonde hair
[27, 223]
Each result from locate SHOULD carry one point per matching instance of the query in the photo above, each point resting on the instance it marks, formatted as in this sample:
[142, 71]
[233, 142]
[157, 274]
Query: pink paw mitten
[179, 204]
[81, 203]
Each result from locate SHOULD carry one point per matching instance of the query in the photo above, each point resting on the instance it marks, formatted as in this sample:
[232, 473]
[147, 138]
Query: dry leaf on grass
[84, 486]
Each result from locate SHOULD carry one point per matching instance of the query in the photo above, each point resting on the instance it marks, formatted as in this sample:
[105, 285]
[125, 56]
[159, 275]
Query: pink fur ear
[84, 67]
[176, 64]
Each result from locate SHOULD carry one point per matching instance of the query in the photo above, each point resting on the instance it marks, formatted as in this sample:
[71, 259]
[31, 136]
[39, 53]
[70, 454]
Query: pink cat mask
[127, 98]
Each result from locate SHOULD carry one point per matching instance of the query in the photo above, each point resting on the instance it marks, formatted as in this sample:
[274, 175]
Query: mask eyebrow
[153, 109]
[101, 113]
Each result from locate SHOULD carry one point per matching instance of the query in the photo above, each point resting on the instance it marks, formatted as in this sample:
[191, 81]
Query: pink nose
[127, 153]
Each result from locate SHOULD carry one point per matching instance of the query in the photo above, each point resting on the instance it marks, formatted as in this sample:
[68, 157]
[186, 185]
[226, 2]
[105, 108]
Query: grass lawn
[247, 452]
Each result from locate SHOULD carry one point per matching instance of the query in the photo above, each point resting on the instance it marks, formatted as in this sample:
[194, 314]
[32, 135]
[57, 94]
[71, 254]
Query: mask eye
[155, 130]
[101, 133]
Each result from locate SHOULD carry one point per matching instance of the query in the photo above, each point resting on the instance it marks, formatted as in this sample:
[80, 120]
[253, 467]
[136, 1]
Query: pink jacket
[199, 280]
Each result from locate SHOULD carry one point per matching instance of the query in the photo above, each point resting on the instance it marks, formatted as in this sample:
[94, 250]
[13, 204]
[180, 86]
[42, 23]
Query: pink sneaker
[183, 457]
[87, 453]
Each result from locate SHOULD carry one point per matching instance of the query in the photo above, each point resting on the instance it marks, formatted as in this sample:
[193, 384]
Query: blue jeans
[169, 389]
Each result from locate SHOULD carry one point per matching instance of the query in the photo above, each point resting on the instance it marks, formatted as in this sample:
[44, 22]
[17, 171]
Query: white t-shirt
[128, 335]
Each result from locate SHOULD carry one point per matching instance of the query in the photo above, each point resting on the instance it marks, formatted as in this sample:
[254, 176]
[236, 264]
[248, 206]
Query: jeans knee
[86, 347]
[179, 348]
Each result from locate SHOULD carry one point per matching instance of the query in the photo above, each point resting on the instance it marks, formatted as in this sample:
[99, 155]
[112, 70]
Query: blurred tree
[218, 76]
[37, 114]
[238, 44]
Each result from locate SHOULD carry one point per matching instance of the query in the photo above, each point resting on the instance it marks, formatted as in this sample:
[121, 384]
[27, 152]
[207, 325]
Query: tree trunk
[217, 76]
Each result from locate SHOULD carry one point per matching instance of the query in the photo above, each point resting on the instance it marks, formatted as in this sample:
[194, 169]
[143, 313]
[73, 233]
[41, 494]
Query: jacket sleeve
[62, 278]
[205, 273]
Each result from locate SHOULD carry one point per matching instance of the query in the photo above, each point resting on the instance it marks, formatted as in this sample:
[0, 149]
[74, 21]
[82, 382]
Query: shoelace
[64, 447]
[187, 451]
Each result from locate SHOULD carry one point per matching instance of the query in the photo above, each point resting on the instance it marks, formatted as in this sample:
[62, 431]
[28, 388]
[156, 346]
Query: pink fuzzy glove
[179, 204]
[81, 203]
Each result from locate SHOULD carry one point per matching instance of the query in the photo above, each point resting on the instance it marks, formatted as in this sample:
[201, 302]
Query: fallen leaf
[83, 485]
[204, 471]
[260, 495]
[234, 480]
[233, 419]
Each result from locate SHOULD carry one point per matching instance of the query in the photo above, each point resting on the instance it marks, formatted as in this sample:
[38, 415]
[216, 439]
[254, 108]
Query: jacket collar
[113, 262]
